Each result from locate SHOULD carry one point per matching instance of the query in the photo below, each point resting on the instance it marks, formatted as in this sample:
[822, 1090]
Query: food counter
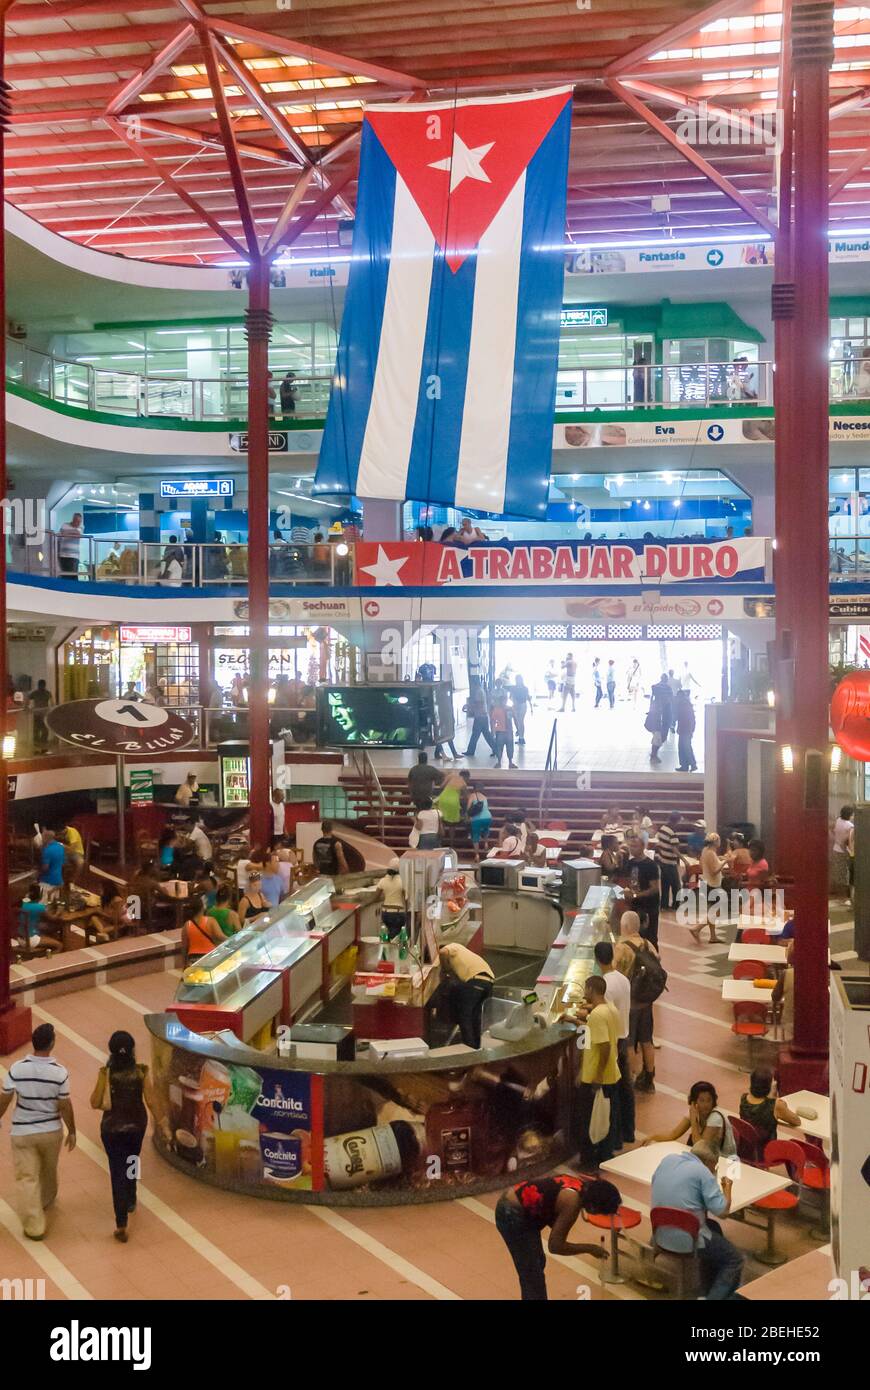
[372, 1131]
[247, 1099]
[282, 966]
[570, 960]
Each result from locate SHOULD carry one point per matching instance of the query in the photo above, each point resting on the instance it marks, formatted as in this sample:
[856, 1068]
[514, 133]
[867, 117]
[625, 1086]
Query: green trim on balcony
[151, 422]
[742, 410]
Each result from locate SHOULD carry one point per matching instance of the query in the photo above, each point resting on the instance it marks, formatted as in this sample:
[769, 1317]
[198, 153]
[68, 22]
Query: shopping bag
[599, 1124]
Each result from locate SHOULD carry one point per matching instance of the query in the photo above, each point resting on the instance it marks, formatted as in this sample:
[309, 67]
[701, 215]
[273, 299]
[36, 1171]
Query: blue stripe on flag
[359, 343]
[438, 427]
[542, 273]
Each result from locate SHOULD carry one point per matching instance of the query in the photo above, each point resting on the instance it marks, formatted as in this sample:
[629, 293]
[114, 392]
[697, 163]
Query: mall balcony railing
[88, 387]
[27, 734]
[183, 565]
[850, 559]
[330, 565]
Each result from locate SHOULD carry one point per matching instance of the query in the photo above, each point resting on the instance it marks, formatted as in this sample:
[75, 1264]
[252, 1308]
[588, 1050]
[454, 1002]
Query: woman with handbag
[122, 1092]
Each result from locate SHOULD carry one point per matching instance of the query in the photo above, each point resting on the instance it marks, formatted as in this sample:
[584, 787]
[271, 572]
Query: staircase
[579, 810]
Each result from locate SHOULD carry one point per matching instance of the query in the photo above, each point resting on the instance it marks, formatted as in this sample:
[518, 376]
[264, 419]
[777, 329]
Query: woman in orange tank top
[200, 933]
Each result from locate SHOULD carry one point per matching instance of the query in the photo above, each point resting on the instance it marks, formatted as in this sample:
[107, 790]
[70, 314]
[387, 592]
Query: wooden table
[66, 919]
[770, 955]
[744, 992]
[820, 1127]
[750, 1184]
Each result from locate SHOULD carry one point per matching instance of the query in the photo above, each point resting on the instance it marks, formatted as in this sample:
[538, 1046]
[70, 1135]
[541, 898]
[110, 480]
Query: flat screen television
[409, 715]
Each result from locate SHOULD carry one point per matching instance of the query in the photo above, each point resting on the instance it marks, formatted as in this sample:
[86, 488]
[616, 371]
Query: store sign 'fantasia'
[710, 255]
[411, 563]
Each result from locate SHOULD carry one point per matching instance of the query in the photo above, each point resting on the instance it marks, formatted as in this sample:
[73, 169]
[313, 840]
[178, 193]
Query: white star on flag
[385, 571]
[465, 163]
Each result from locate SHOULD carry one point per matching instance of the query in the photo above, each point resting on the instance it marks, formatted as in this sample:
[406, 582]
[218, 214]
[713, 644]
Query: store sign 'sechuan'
[119, 726]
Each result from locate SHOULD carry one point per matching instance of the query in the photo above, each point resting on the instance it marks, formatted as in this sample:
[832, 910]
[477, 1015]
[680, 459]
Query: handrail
[669, 384]
[551, 765]
[22, 721]
[365, 768]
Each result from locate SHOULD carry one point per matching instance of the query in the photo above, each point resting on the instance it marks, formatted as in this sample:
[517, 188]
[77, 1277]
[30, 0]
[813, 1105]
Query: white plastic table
[771, 955]
[744, 992]
[820, 1127]
[750, 1184]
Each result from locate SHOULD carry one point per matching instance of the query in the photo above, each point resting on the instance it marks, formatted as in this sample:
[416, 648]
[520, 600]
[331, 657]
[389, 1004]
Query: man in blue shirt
[687, 1181]
[53, 855]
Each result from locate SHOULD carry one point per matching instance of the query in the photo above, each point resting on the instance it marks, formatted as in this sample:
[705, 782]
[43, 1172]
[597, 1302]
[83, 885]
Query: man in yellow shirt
[74, 846]
[599, 1067]
[466, 984]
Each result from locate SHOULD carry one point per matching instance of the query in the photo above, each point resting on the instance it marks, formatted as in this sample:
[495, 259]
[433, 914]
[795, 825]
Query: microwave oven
[500, 873]
[539, 880]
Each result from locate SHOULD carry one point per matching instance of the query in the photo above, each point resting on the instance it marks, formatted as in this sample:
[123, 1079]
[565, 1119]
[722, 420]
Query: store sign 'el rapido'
[119, 726]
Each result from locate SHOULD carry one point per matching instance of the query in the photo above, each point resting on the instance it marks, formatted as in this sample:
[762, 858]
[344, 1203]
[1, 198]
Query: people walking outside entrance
[569, 681]
[658, 719]
[611, 683]
[597, 682]
[634, 682]
[551, 677]
[521, 698]
[478, 709]
[685, 720]
[501, 723]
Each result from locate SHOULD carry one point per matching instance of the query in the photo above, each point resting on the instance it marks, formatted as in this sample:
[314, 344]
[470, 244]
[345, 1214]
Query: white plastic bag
[599, 1123]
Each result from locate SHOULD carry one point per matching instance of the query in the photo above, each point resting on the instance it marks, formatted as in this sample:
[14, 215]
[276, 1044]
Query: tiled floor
[595, 740]
[195, 1242]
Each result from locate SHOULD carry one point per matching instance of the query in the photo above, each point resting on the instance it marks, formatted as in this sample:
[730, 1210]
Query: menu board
[235, 781]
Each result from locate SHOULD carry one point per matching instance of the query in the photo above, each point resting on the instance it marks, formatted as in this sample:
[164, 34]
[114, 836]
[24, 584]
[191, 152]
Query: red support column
[259, 330]
[802, 553]
[787, 847]
[15, 1022]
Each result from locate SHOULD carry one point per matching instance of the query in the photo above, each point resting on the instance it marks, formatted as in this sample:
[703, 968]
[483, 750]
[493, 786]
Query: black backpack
[324, 855]
[648, 977]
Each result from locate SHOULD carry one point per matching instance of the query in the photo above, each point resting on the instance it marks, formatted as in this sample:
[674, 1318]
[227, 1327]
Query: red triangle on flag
[460, 161]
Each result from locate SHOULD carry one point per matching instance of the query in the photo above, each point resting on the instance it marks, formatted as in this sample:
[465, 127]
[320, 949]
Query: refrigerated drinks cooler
[234, 770]
[850, 1126]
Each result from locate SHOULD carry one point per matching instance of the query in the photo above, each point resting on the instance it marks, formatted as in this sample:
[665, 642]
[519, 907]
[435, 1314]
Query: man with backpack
[638, 959]
[328, 852]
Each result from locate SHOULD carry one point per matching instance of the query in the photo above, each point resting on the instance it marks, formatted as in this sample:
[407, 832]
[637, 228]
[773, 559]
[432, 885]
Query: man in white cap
[391, 892]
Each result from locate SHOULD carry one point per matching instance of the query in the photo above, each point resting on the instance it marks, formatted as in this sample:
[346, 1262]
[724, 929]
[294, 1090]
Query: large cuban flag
[445, 379]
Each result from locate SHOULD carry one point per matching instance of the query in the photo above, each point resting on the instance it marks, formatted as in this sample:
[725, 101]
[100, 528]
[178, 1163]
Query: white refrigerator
[850, 1123]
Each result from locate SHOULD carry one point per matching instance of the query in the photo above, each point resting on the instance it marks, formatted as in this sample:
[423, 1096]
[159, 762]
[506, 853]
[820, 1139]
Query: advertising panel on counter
[283, 1132]
[404, 564]
[240, 1125]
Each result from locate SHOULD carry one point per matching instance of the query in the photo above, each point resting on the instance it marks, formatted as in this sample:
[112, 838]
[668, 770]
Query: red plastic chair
[755, 936]
[778, 1153]
[676, 1220]
[748, 970]
[625, 1219]
[816, 1177]
[748, 1140]
[750, 1022]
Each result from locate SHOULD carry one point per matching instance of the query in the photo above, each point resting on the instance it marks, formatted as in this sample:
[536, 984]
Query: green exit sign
[583, 318]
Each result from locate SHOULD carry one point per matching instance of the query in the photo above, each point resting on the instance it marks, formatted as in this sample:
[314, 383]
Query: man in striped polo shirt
[667, 851]
[40, 1086]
